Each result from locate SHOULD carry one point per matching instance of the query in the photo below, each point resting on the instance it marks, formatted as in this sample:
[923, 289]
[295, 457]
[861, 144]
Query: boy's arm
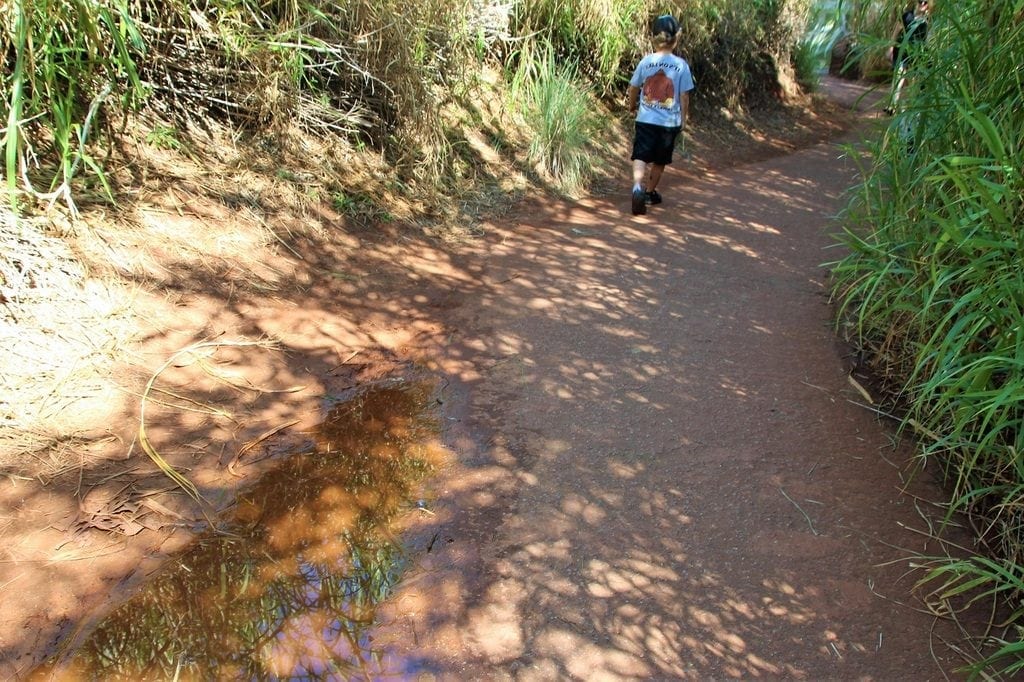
[685, 102]
[634, 98]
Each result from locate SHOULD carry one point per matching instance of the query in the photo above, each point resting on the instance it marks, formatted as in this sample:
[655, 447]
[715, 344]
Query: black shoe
[639, 202]
[653, 198]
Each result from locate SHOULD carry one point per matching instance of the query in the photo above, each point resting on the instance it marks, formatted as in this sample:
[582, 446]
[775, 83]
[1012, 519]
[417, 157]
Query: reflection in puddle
[290, 590]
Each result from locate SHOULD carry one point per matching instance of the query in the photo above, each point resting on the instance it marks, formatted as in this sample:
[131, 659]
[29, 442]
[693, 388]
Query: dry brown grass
[61, 331]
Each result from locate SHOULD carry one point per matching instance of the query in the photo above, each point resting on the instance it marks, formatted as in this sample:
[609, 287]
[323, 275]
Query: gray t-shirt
[662, 80]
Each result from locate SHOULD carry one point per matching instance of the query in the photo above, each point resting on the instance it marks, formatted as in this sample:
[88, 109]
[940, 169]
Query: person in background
[907, 40]
[659, 95]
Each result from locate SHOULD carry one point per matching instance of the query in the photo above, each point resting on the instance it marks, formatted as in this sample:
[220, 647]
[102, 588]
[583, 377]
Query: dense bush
[737, 48]
[932, 290]
[603, 38]
[362, 69]
[870, 25]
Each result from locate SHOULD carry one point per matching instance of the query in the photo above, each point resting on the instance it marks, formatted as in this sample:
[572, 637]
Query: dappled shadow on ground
[688, 489]
[659, 471]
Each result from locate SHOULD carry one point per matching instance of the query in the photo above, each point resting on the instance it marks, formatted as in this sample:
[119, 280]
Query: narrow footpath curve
[668, 475]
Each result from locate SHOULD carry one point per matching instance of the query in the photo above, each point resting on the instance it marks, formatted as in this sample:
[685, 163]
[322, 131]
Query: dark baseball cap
[666, 23]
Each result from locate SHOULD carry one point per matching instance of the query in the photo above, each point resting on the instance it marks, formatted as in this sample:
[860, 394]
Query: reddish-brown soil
[662, 470]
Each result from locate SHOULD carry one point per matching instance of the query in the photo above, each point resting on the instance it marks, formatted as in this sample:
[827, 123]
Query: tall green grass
[560, 112]
[63, 59]
[602, 37]
[826, 24]
[806, 64]
[933, 286]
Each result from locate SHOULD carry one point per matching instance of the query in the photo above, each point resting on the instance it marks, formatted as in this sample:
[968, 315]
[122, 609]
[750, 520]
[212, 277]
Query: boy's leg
[639, 173]
[666, 145]
[639, 197]
[656, 170]
[901, 82]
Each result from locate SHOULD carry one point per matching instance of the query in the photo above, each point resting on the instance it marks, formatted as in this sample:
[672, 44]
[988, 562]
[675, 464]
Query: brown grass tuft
[61, 331]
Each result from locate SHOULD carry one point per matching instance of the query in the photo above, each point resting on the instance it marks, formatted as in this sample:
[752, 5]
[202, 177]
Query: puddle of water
[290, 587]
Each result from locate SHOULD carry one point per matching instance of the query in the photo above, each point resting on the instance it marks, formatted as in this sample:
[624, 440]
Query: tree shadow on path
[673, 477]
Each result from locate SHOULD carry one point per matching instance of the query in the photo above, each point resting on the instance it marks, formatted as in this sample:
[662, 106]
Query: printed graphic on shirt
[658, 90]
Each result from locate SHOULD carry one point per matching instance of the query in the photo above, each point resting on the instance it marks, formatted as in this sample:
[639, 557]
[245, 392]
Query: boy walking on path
[659, 94]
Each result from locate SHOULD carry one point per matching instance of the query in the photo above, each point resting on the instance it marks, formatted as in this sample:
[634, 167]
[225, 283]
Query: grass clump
[932, 290]
[602, 38]
[562, 118]
[62, 61]
[805, 65]
[367, 72]
[741, 51]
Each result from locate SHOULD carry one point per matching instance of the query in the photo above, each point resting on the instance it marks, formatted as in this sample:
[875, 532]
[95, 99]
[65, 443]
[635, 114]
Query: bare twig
[259, 439]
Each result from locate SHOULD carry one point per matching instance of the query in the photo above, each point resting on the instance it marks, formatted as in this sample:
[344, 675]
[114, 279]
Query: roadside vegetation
[932, 291]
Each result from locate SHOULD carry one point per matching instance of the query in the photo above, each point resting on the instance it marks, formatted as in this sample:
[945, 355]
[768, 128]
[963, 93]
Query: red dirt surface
[663, 471]
[675, 477]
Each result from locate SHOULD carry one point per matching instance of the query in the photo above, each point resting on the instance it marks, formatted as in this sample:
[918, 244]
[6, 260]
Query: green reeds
[559, 114]
[805, 65]
[990, 584]
[63, 61]
[933, 287]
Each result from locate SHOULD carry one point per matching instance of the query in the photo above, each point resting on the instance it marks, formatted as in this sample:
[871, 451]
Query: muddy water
[290, 586]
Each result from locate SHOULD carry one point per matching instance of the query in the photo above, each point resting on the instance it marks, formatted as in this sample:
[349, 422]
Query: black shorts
[654, 144]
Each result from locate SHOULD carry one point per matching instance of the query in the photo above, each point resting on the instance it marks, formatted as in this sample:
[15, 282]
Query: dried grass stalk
[61, 330]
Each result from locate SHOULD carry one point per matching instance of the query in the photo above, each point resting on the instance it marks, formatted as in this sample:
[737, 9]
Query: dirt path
[668, 474]
[662, 469]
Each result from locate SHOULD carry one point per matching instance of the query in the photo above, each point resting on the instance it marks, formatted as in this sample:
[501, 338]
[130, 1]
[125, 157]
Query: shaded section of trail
[678, 479]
